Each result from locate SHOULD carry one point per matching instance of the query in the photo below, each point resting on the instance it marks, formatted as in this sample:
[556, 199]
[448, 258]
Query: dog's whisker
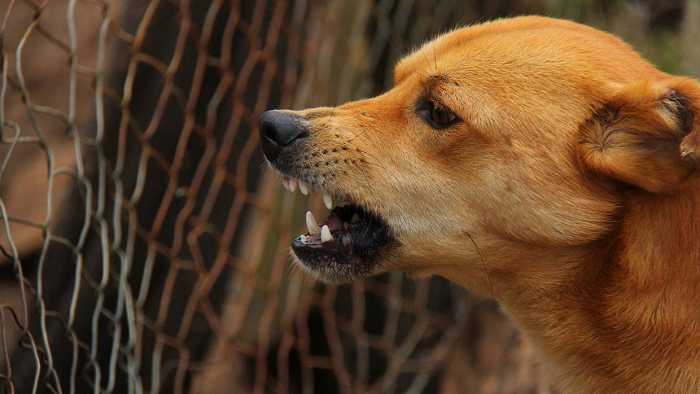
[378, 165]
[425, 74]
[392, 25]
[292, 271]
[364, 174]
[374, 157]
[357, 135]
[422, 51]
[435, 58]
[483, 262]
[330, 118]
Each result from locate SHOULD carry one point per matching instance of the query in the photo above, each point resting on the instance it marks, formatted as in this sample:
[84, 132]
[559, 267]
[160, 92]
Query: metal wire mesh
[167, 262]
[145, 248]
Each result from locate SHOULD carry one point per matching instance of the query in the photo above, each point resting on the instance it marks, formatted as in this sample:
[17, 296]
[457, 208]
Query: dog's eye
[441, 116]
[437, 115]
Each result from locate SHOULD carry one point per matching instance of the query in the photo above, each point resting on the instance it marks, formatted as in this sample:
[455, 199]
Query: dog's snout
[278, 130]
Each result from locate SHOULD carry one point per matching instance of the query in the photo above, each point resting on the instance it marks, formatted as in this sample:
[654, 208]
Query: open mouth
[346, 243]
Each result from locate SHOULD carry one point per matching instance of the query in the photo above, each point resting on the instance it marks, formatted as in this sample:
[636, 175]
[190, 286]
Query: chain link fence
[144, 245]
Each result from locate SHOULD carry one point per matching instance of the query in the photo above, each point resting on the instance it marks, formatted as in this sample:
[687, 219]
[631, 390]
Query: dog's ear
[646, 134]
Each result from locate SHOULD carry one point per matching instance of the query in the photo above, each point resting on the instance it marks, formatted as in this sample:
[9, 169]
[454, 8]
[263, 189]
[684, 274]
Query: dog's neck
[635, 296]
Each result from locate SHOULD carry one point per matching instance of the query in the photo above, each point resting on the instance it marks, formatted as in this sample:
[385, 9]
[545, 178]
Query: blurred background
[143, 243]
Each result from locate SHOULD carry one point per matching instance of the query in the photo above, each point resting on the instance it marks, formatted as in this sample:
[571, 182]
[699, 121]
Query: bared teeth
[326, 234]
[328, 200]
[291, 184]
[311, 223]
[303, 188]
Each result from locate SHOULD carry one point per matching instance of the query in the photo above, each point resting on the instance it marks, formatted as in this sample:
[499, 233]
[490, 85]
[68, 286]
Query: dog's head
[497, 141]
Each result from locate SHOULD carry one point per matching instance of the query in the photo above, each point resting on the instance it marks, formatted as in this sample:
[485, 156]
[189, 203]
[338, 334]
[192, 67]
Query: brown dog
[538, 161]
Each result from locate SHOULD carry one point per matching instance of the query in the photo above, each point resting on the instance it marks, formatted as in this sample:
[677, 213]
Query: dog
[537, 161]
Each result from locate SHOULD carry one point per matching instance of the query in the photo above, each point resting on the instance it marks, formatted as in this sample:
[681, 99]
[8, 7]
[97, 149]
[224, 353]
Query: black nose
[278, 130]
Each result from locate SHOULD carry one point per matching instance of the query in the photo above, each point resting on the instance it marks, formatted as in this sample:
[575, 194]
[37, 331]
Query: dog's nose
[278, 130]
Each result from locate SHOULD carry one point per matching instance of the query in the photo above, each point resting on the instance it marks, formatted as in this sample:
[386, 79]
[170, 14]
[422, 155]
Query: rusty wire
[110, 257]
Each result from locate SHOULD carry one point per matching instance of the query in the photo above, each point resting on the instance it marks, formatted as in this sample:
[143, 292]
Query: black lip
[354, 249]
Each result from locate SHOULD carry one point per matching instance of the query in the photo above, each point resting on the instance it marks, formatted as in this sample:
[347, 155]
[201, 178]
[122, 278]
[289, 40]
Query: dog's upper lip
[291, 184]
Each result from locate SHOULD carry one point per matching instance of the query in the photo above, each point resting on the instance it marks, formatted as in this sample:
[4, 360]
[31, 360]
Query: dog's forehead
[532, 44]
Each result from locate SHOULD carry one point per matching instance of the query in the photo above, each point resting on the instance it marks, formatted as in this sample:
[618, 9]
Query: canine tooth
[285, 183]
[311, 223]
[292, 185]
[328, 200]
[326, 234]
[303, 189]
[355, 218]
